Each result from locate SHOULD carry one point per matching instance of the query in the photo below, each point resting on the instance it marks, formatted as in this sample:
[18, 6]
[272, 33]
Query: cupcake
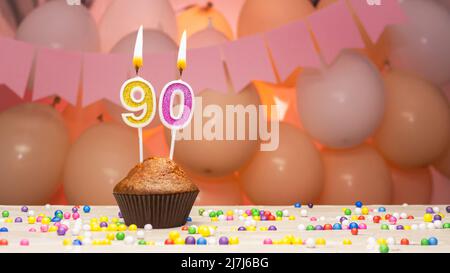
[157, 192]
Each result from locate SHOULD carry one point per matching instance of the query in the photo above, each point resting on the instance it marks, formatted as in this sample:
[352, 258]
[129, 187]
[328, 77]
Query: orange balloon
[411, 186]
[415, 129]
[216, 157]
[443, 163]
[356, 174]
[292, 173]
[33, 147]
[223, 191]
[260, 16]
[196, 18]
[100, 158]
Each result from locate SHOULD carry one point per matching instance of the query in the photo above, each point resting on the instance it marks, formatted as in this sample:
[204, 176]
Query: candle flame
[138, 60]
[181, 62]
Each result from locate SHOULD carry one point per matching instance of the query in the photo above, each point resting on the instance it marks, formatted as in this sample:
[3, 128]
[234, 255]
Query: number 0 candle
[184, 91]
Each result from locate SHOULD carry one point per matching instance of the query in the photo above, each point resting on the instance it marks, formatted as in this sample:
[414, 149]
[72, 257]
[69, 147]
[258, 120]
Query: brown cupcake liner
[159, 210]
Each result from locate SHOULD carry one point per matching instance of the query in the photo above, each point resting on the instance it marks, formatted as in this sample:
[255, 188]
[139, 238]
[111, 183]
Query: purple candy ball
[190, 240]
[272, 228]
[318, 227]
[342, 219]
[223, 240]
[103, 224]
[241, 228]
[429, 210]
[263, 218]
[61, 231]
[400, 227]
[447, 209]
[24, 209]
[437, 217]
[310, 205]
[74, 209]
[120, 214]
[18, 220]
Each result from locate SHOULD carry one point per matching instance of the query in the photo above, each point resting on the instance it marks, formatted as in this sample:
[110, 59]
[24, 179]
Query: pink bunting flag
[247, 59]
[375, 17]
[103, 75]
[205, 70]
[335, 30]
[16, 59]
[57, 72]
[158, 69]
[291, 47]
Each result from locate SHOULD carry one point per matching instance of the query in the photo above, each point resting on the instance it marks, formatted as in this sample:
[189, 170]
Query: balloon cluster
[356, 129]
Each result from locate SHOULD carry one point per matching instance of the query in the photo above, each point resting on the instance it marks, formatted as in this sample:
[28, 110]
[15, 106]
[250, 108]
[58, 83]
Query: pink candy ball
[362, 226]
[57, 224]
[32, 230]
[229, 218]
[392, 220]
[75, 215]
[312, 219]
[44, 228]
[39, 219]
[24, 242]
[66, 215]
[267, 241]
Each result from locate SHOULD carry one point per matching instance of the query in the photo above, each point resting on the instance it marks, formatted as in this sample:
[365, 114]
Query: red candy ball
[271, 218]
[354, 231]
[327, 227]
[184, 228]
[404, 242]
[376, 219]
[410, 217]
[168, 242]
[3, 242]
[361, 218]
[387, 216]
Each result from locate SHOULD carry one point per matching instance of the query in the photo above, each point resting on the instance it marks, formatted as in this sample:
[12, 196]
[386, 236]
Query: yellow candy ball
[96, 242]
[285, 241]
[110, 236]
[251, 228]
[52, 228]
[45, 221]
[263, 228]
[292, 217]
[122, 227]
[365, 211]
[132, 227]
[354, 217]
[179, 241]
[407, 227]
[297, 241]
[66, 242]
[347, 242]
[214, 219]
[112, 227]
[279, 218]
[150, 243]
[173, 235]
[31, 220]
[233, 240]
[94, 220]
[204, 231]
[230, 213]
[114, 219]
[8, 220]
[80, 237]
[320, 241]
[428, 217]
[381, 241]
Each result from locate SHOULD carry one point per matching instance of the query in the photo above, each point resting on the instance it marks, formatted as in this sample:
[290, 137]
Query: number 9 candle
[184, 91]
[145, 103]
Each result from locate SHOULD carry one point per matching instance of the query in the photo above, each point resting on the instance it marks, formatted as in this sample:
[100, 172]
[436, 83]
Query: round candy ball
[223, 240]
[432, 241]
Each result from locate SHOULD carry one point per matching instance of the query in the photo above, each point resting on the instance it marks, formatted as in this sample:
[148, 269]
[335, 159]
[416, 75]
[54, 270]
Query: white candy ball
[212, 241]
[436, 209]
[285, 213]
[129, 240]
[438, 224]
[87, 234]
[148, 227]
[48, 206]
[310, 243]
[303, 213]
[431, 226]
[86, 227]
[140, 234]
[301, 227]
[414, 227]
[357, 211]
[30, 213]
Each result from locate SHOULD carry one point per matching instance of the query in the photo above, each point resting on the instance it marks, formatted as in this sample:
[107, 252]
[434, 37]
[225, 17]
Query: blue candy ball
[433, 241]
[297, 205]
[201, 241]
[3, 229]
[77, 242]
[337, 226]
[358, 204]
[189, 219]
[353, 225]
[86, 209]
[381, 209]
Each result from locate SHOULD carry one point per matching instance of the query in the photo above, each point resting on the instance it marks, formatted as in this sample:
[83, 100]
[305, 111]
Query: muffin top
[155, 176]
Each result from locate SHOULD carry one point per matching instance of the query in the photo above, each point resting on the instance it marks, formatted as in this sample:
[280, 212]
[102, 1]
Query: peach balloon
[217, 191]
[260, 16]
[33, 147]
[123, 17]
[343, 105]
[411, 186]
[99, 159]
[79, 119]
[58, 25]
[216, 157]
[421, 45]
[292, 173]
[325, 3]
[416, 126]
[197, 18]
[5, 28]
[154, 42]
[355, 174]
[207, 37]
[442, 164]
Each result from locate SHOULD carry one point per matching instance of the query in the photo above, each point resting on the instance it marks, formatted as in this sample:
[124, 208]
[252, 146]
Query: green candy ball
[120, 236]
[424, 242]
[384, 248]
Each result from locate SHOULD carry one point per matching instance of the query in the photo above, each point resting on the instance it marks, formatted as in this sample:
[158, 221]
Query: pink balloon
[97, 161]
[411, 186]
[33, 147]
[421, 45]
[8, 98]
[59, 25]
[123, 17]
[441, 188]
[217, 191]
[207, 37]
[154, 42]
[342, 105]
